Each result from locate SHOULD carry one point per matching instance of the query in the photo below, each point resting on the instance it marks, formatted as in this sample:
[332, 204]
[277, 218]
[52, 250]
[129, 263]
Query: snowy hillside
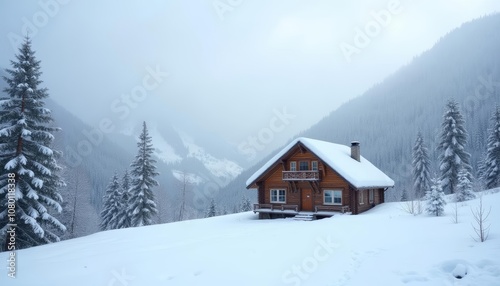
[384, 246]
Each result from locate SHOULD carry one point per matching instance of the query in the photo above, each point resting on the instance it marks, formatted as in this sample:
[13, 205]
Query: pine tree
[124, 216]
[25, 140]
[453, 139]
[404, 196]
[112, 205]
[464, 188]
[490, 169]
[142, 204]
[212, 209]
[435, 199]
[481, 169]
[246, 205]
[420, 164]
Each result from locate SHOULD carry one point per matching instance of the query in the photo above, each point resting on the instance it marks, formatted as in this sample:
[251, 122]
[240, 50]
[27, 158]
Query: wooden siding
[378, 198]
[364, 206]
[261, 195]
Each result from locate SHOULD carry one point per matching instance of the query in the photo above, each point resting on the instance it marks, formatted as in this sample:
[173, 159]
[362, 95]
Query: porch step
[304, 217]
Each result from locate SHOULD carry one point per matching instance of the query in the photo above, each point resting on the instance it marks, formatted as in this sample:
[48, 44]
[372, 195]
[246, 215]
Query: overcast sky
[231, 64]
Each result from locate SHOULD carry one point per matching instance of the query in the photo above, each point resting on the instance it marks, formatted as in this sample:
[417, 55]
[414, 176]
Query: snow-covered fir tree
[25, 151]
[112, 205]
[452, 143]
[490, 167]
[420, 164]
[464, 188]
[142, 204]
[435, 199]
[212, 209]
[246, 205]
[123, 216]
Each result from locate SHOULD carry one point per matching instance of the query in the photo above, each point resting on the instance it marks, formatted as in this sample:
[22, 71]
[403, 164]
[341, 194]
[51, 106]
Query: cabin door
[306, 200]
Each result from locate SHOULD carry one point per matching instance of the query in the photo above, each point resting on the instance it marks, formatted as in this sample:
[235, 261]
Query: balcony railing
[301, 176]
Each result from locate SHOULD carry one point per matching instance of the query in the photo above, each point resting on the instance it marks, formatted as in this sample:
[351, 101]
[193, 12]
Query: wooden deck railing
[301, 176]
[342, 209]
[257, 207]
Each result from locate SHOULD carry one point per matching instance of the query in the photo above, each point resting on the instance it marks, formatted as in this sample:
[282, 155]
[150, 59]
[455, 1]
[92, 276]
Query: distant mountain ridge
[464, 65]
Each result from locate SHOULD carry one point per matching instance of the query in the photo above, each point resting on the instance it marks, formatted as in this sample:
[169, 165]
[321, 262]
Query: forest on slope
[463, 65]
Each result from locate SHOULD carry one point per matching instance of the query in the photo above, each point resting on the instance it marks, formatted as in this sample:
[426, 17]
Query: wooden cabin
[311, 179]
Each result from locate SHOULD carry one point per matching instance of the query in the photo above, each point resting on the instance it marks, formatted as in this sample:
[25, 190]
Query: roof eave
[373, 187]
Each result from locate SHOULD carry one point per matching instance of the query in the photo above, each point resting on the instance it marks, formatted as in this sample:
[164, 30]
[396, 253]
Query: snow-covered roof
[362, 174]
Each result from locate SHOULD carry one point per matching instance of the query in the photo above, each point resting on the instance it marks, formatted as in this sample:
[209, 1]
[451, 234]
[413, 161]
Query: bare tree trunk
[73, 217]
[480, 216]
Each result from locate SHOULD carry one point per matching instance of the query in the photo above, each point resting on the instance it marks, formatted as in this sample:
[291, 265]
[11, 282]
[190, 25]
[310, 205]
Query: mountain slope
[464, 65]
[240, 250]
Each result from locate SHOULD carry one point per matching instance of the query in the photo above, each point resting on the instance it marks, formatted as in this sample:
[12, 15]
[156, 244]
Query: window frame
[278, 195]
[371, 196]
[333, 191]
[293, 166]
[307, 166]
[361, 197]
[312, 166]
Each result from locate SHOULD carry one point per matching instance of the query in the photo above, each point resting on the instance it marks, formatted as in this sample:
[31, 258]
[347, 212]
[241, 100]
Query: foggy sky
[233, 65]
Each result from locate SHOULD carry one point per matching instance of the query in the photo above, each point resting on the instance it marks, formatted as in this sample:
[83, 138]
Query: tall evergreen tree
[464, 188]
[435, 199]
[490, 168]
[112, 205]
[142, 204]
[420, 164]
[453, 139]
[212, 209]
[124, 216]
[25, 150]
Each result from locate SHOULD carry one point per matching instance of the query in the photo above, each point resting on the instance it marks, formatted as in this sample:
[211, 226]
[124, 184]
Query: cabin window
[361, 195]
[332, 197]
[304, 166]
[314, 165]
[278, 196]
[293, 166]
[370, 196]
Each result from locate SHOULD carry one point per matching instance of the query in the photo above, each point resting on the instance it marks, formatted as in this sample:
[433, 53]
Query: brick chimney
[355, 152]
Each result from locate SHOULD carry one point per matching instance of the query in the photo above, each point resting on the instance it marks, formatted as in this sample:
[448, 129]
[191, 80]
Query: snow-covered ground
[384, 246]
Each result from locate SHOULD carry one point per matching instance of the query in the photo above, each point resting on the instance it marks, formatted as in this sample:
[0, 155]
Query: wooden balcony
[301, 176]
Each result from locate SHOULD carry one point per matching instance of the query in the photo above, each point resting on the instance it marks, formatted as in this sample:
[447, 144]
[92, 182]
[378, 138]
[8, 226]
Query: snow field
[384, 246]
